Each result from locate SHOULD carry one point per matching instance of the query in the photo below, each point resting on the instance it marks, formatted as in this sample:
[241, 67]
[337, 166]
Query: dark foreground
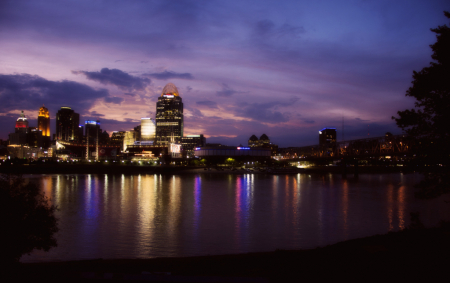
[412, 254]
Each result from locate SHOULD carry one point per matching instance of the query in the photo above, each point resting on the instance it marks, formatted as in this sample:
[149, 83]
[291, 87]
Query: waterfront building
[327, 141]
[148, 129]
[129, 139]
[264, 140]
[253, 141]
[44, 121]
[67, 124]
[169, 116]
[190, 142]
[117, 137]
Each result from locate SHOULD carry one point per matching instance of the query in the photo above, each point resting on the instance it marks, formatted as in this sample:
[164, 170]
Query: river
[154, 215]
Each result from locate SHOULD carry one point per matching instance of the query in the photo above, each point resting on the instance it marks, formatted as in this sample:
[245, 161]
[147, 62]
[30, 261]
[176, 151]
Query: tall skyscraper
[20, 132]
[92, 130]
[67, 124]
[169, 116]
[44, 121]
[22, 124]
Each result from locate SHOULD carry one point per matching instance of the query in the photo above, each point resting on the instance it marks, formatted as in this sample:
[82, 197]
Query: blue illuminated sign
[239, 148]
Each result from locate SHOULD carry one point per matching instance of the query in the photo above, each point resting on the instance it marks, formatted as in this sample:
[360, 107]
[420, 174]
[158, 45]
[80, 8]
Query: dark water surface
[144, 216]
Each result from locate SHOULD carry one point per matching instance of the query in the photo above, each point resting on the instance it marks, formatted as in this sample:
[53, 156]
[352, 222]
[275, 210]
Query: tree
[27, 219]
[429, 121]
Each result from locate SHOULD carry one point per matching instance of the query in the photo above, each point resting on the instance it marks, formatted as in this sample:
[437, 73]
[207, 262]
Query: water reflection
[197, 202]
[142, 216]
[345, 212]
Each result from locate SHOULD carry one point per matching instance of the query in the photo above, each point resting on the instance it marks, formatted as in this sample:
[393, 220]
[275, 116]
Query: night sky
[283, 68]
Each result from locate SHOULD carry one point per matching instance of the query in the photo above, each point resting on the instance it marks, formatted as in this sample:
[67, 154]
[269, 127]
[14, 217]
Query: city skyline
[286, 70]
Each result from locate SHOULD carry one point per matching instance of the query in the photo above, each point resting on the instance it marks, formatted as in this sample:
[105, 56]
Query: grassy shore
[411, 254]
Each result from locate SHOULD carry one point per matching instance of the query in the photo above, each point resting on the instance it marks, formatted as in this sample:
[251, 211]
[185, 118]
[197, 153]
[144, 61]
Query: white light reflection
[105, 188]
[174, 209]
[58, 189]
[146, 202]
[296, 207]
[197, 202]
[345, 201]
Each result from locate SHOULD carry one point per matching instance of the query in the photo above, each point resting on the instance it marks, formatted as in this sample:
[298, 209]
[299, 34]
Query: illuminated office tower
[147, 129]
[44, 121]
[67, 124]
[169, 116]
[129, 139]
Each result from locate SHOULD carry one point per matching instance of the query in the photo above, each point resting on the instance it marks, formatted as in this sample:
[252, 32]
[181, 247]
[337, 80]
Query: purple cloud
[116, 77]
[208, 103]
[166, 75]
[227, 91]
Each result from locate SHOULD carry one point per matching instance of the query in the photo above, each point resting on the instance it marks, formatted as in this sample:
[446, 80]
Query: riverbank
[64, 168]
[412, 254]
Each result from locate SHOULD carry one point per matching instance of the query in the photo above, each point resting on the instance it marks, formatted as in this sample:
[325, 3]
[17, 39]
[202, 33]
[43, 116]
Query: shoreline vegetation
[63, 168]
[408, 254]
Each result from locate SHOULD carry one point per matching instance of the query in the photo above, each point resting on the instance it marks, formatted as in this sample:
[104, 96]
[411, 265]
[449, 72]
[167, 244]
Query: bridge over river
[393, 147]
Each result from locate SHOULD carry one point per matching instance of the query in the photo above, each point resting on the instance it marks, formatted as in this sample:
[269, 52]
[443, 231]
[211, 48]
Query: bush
[27, 219]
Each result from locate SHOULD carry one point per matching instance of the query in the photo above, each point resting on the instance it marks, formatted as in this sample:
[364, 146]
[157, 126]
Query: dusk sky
[283, 68]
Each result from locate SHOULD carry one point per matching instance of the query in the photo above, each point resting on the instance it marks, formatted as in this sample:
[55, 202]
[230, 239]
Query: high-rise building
[117, 137]
[147, 129]
[44, 121]
[67, 124]
[169, 116]
[19, 137]
[92, 130]
[24, 135]
[129, 139]
[22, 124]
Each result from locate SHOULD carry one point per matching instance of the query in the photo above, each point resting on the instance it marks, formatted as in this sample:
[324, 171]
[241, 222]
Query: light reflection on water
[142, 216]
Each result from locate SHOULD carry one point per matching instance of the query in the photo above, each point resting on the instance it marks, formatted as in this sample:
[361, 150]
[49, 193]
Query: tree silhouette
[429, 121]
[27, 219]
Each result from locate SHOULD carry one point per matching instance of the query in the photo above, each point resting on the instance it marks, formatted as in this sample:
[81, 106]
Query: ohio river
[145, 216]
